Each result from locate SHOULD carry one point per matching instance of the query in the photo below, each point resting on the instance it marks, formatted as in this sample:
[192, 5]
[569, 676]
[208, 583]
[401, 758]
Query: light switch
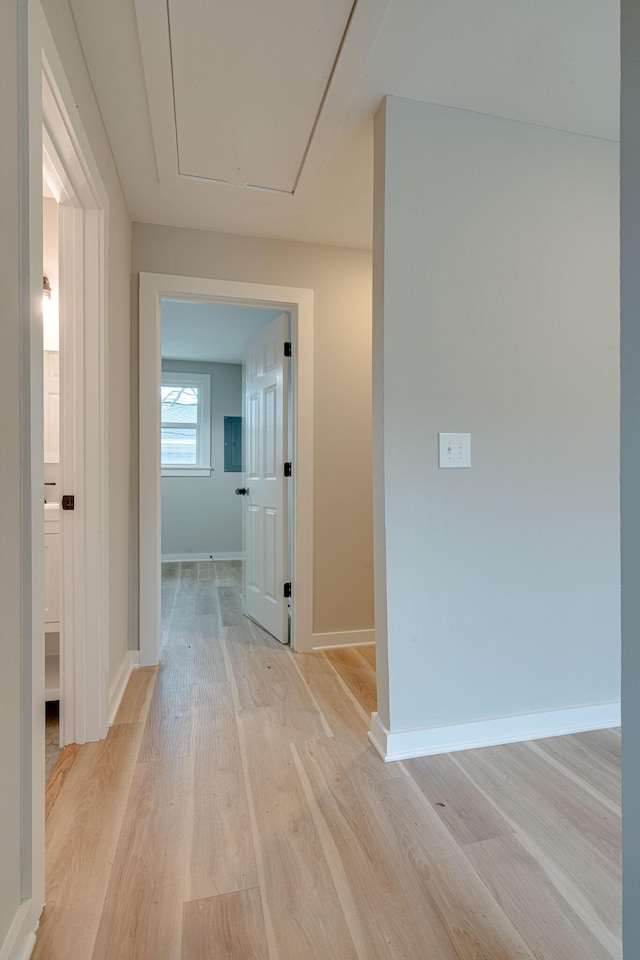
[454, 449]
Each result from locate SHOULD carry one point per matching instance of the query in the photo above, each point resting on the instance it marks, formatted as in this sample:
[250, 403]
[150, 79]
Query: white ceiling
[226, 93]
[209, 332]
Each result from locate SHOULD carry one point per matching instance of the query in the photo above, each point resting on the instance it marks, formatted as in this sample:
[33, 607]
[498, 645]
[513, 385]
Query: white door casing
[298, 302]
[266, 504]
[73, 175]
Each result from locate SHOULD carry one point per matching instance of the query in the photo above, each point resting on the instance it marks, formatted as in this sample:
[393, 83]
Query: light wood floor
[237, 812]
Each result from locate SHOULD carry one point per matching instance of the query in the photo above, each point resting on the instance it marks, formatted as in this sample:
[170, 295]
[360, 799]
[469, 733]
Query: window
[185, 444]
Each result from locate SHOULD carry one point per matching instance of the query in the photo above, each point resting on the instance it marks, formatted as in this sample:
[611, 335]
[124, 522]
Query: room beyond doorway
[201, 446]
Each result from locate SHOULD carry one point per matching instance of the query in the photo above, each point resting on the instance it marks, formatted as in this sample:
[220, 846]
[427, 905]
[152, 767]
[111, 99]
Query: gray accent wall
[630, 471]
[495, 313]
[203, 514]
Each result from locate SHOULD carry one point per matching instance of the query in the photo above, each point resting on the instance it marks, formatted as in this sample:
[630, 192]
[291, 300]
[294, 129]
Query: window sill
[186, 471]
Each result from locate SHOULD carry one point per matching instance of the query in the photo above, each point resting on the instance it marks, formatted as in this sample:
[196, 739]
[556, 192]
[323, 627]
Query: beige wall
[61, 24]
[341, 281]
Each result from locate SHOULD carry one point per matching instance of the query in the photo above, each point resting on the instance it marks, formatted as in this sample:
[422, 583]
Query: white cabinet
[52, 583]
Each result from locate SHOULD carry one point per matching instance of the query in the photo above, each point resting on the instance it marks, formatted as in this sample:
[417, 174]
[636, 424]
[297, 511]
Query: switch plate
[454, 450]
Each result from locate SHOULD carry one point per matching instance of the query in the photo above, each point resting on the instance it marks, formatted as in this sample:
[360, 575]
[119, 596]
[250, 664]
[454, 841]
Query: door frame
[154, 287]
[71, 169]
[40, 66]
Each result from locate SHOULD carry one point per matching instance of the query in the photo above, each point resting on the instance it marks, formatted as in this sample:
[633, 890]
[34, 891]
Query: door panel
[270, 432]
[253, 548]
[253, 434]
[271, 519]
[267, 561]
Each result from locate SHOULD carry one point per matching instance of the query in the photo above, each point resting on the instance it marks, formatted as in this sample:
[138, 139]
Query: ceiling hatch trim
[185, 125]
[299, 140]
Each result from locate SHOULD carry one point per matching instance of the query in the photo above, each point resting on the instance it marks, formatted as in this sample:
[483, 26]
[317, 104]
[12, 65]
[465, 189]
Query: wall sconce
[50, 324]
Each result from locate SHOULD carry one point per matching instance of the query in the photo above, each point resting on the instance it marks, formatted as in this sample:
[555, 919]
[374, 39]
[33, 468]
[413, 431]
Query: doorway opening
[292, 307]
[222, 418]
[75, 210]
[51, 459]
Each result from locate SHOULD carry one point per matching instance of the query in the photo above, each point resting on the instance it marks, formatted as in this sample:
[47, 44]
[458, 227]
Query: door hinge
[287, 590]
[287, 469]
[68, 502]
[287, 349]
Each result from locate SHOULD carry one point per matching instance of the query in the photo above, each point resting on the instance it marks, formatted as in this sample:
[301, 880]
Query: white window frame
[203, 430]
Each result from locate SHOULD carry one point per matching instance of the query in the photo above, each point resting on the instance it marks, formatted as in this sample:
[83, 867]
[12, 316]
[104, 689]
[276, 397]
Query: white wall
[630, 471]
[62, 26]
[496, 310]
[203, 514]
[341, 281]
[50, 265]
[11, 544]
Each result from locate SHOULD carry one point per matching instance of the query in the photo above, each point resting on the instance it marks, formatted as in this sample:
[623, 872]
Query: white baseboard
[28, 945]
[130, 662]
[21, 938]
[186, 557]
[348, 638]
[424, 742]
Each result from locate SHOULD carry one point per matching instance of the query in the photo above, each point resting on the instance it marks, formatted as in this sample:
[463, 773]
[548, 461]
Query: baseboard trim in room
[130, 662]
[424, 742]
[20, 940]
[186, 557]
[347, 638]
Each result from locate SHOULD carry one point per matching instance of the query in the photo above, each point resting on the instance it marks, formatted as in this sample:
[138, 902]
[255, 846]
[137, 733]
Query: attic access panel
[249, 78]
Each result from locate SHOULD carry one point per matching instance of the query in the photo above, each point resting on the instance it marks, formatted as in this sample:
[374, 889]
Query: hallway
[236, 811]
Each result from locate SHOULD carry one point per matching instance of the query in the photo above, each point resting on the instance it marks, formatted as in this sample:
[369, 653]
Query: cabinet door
[51, 578]
[51, 384]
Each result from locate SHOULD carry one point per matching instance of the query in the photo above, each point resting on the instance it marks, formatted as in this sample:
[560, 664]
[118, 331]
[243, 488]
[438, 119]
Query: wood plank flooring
[57, 776]
[237, 811]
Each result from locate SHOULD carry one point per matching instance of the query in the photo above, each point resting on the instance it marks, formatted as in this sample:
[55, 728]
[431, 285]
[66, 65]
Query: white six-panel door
[266, 519]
